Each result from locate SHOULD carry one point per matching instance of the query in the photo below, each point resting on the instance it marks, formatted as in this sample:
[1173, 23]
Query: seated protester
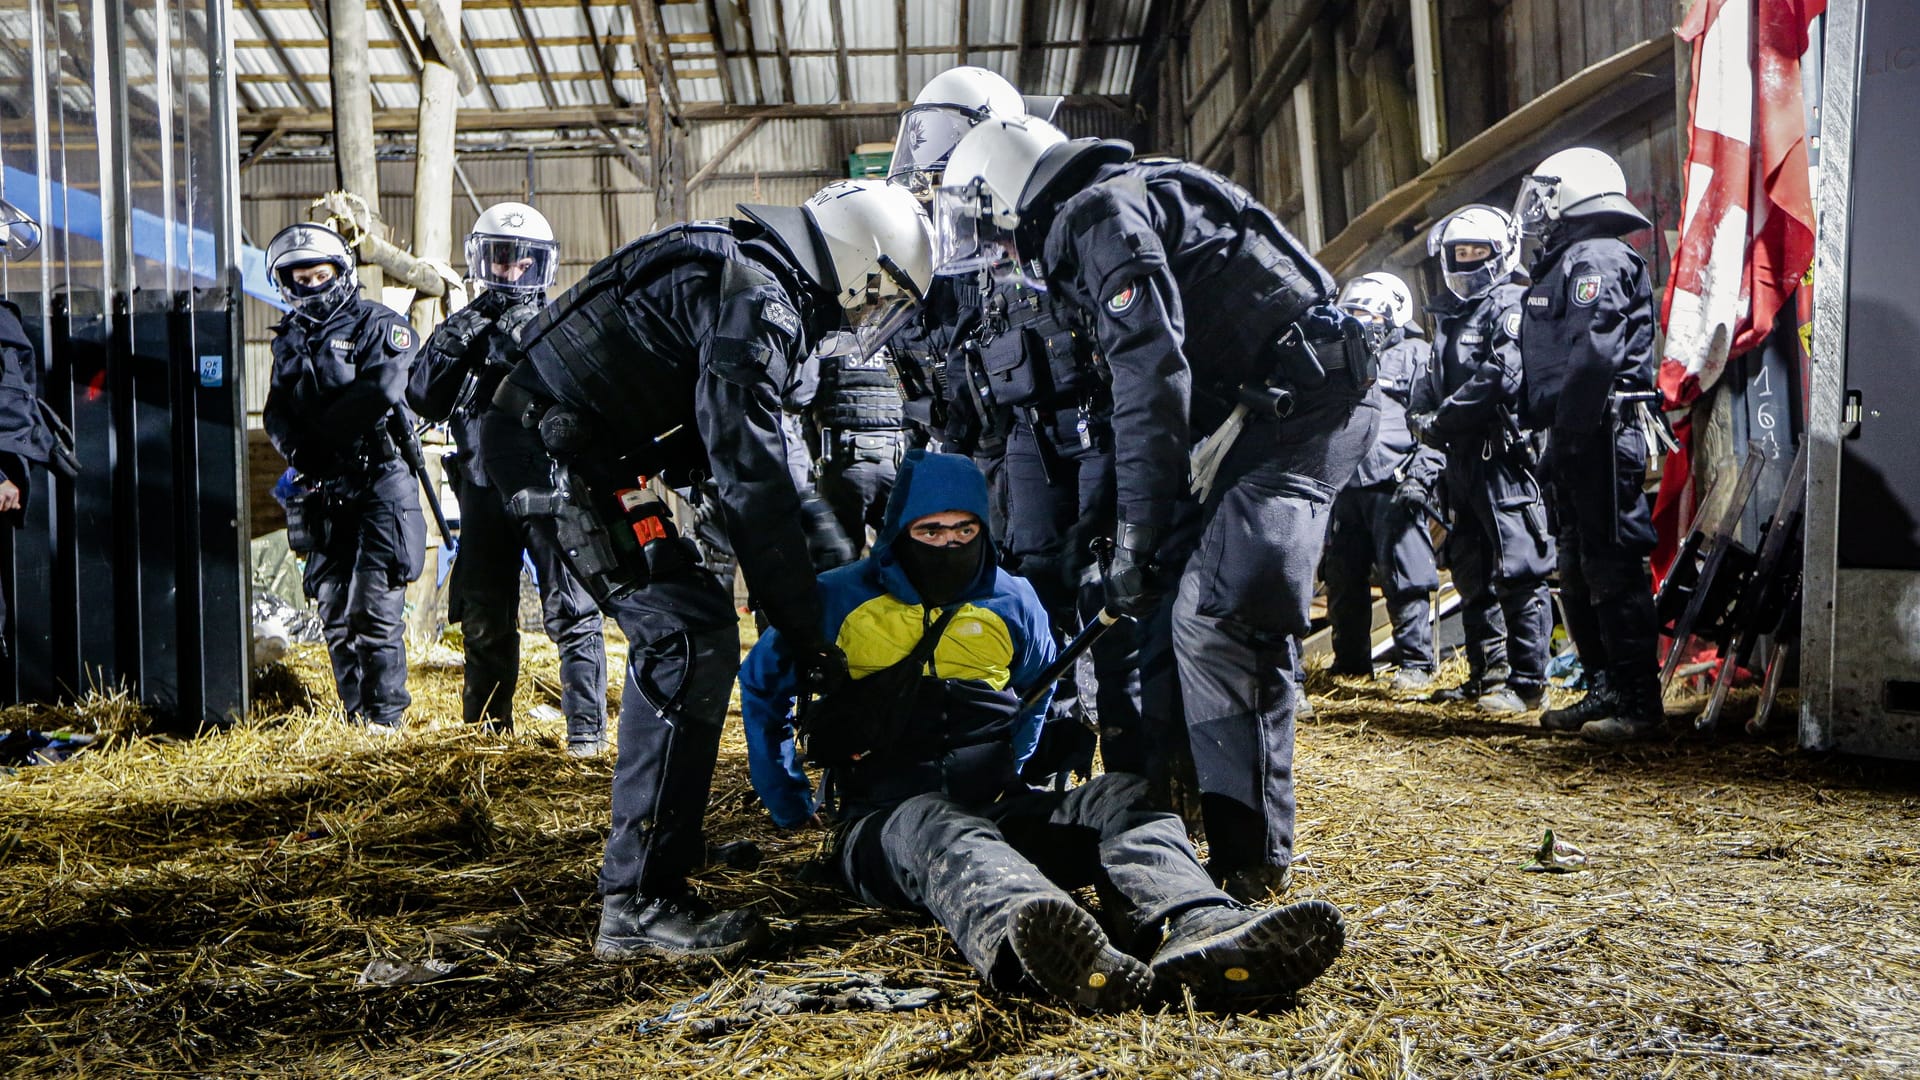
[922, 745]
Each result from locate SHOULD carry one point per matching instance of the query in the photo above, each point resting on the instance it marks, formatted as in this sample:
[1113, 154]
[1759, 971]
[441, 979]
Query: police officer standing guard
[1197, 298]
[668, 360]
[1498, 548]
[512, 256]
[1586, 340]
[1380, 517]
[340, 366]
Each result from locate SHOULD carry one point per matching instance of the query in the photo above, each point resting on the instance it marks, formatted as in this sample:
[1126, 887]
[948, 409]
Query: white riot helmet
[19, 233]
[867, 243]
[950, 105]
[1476, 248]
[977, 206]
[302, 247]
[1381, 301]
[511, 249]
[1578, 183]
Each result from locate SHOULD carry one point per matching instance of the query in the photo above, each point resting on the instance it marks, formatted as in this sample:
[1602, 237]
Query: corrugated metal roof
[565, 34]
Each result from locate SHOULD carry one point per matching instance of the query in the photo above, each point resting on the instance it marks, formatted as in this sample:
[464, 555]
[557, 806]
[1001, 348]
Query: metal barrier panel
[134, 575]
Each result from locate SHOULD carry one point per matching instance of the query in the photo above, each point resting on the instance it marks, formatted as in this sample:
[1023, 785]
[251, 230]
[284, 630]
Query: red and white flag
[1746, 232]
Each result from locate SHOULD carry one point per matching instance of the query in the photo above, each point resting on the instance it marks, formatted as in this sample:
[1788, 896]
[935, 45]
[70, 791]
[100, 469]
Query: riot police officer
[1380, 517]
[858, 421]
[511, 255]
[334, 411]
[1586, 341]
[667, 360]
[1499, 548]
[1210, 317]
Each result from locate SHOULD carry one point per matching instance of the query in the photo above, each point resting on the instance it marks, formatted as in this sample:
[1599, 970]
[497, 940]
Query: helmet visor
[928, 134]
[19, 234]
[1534, 209]
[968, 236]
[511, 263]
[879, 322]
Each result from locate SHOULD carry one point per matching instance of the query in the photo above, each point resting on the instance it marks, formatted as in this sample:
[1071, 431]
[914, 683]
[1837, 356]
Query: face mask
[940, 574]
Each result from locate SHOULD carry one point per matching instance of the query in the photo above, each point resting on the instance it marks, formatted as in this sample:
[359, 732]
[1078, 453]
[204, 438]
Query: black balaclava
[940, 574]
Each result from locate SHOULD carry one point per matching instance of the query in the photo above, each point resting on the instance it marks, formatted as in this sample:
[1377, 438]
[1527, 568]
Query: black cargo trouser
[375, 544]
[1370, 531]
[1241, 608]
[484, 598]
[1605, 531]
[857, 477]
[1041, 508]
[974, 866]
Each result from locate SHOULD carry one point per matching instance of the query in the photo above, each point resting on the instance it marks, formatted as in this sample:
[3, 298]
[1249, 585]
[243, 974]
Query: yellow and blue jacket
[1001, 635]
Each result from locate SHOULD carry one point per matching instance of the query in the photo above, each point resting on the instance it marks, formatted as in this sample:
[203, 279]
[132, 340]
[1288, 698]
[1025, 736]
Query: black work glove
[464, 327]
[1133, 583]
[1420, 425]
[1413, 496]
[822, 668]
[827, 543]
[515, 318]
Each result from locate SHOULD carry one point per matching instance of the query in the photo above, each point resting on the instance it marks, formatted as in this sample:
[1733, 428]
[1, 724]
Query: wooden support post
[1324, 70]
[841, 76]
[1024, 74]
[966, 30]
[656, 58]
[786, 51]
[900, 53]
[1393, 110]
[669, 189]
[354, 163]
[433, 169]
[532, 43]
[1246, 161]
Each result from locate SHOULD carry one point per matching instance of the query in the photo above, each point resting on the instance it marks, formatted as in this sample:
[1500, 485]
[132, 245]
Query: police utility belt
[615, 542]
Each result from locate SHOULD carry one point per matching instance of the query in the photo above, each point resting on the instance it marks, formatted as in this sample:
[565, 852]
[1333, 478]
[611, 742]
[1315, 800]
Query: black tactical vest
[858, 395]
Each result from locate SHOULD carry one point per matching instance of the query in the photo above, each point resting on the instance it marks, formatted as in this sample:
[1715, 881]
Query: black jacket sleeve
[453, 350]
[744, 365]
[1609, 314]
[1470, 409]
[383, 356]
[280, 415]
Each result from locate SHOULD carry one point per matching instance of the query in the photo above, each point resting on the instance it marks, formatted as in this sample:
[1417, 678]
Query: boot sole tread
[1062, 948]
[1276, 954]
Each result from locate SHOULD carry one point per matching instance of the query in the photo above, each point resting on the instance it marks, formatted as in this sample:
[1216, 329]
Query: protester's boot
[1411, 681]
[586, 736]
[1253, 884]
[1495, 697]
[1229, 953]
[1596, 705]
[1454, 695]
[1062, 949]
[682, 927]
[1637, 713]
[1531, 695]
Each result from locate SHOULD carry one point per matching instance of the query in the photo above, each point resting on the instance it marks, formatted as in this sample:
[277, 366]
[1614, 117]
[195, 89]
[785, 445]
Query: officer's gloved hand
[515, 318]
[1133, 586]
[462, 328]
[1413, 496]
[1420, 425]
[827, 543]
[822, 668]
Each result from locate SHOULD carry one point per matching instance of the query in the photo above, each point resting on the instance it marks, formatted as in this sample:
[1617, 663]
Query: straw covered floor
[207, 908]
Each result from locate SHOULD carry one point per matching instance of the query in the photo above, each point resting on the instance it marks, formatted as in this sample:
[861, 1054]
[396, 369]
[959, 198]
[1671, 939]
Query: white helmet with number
[303, 246]
[1476, 248]
[997, 173]
[1579, 183]
[511, 249]
[951, 104]
[1380, 296]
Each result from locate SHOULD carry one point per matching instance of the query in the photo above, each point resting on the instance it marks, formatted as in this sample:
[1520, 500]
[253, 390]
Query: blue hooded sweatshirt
[999, 637]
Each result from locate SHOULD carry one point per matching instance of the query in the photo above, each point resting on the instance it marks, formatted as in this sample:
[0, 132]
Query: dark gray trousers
[376, 542]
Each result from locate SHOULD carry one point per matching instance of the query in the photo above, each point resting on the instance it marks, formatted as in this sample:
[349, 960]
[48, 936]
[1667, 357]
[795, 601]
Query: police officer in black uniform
[1586, 341]
[667, 360]
[1380, 517]
[511, 254]
[334, 411]
[1197, 298]
[858, 420]
[1499, 548]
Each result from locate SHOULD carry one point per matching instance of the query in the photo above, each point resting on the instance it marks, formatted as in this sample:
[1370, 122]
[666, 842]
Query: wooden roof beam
[486, 87]
[786, 51]
[900, 53]
[727, 92]
[745, 11]
[602, 53]
[840, 65]
[280, 55]
[532, 44]
[706, 171]
[657, 65]
[301, 122]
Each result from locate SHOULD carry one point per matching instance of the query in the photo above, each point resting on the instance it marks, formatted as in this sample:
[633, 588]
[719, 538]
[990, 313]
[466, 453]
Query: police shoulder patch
[1511, 324]
[1586, 289]
[780, 315]
[1124, 299]
[399, 336]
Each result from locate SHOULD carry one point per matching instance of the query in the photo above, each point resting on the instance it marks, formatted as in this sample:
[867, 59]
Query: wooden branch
[404, 33]
[532, 44]
[720, 156]
[442, 35]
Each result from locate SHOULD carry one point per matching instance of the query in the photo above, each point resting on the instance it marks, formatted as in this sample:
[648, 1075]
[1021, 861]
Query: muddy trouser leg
[485, 600]
[1481, 620]
[1528, 613]
[1347, 569]
[974, 867]
[684, 654]
[393, 539]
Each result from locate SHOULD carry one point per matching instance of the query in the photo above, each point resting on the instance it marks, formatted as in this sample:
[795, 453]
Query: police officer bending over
[923, 745]
[511, 254]
[1197, 298]
[333, 411]
[1380, 517]
[1499, 548]
[667, 360]
[1586, 340]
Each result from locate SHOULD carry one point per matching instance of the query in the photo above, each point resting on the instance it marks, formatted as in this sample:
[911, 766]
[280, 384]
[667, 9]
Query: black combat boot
[1597, 705]
[1226, 952]
[1637, 712]
[682, 927]
[586, 736]
[1062, 949]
